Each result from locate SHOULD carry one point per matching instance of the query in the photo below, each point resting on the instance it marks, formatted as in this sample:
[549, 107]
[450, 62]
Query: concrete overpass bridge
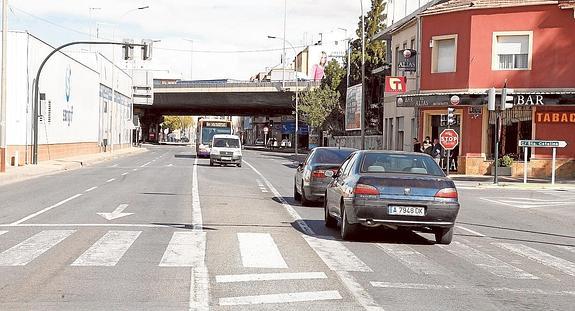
[220, 98]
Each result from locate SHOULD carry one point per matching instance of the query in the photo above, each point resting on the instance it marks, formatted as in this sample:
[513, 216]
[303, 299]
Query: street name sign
[543, 143]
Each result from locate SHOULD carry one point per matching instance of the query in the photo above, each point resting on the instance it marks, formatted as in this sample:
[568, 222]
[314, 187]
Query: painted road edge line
[359, 293]
[46, 209]
[280, 298]
[90, 189]
[471, 231]
[235, 278]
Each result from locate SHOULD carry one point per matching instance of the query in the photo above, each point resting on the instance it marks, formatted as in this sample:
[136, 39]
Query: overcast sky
[214, 26]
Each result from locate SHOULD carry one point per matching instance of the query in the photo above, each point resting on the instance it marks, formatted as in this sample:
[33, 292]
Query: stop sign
[449, 139]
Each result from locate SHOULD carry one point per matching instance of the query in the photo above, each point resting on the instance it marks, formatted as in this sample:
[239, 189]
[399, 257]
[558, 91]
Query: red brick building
[468, 47]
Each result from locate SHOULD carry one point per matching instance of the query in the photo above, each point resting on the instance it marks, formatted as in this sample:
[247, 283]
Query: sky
[222, 30]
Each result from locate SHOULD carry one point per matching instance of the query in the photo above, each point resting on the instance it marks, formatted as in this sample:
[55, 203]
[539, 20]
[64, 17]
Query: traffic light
[491, 99]
[450, 116]
[506, 99]
[147, 49]
[128, 49]
[271, 122]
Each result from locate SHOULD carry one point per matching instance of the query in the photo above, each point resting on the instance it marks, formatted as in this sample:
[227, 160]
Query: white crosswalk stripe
[280, 298]
[186, 249]
[541, 257]
[2, 232]
[567, 248]
[258, 250]
[108, 250]
[486, 261]
[335, 255]
[412, 259]
[33, 247]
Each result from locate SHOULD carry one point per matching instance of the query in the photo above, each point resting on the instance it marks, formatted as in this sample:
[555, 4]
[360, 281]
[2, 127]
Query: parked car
[226, 149]
[310, 181]
[285, 143]
[395, 189]
[259, 142]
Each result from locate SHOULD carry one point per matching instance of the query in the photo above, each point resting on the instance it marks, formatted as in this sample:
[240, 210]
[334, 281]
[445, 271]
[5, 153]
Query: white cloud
[213, 25]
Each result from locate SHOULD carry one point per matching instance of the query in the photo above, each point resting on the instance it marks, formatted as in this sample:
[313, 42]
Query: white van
[226, 149]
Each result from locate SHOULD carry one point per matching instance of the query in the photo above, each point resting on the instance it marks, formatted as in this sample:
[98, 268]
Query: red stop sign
[449, 139]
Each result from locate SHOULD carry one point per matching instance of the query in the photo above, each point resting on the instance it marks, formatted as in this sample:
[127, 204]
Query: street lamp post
[296, 93]
[362, 110]
[3, 87]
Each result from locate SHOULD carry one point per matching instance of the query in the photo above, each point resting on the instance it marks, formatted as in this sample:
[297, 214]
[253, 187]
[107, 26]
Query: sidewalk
[15, 174]
[481, 181]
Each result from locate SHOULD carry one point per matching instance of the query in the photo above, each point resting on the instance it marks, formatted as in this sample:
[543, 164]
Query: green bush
[505, 161]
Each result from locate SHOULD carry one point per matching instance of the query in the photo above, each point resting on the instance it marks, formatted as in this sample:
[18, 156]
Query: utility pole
[362, 110]
[284, 48]
[3, 87]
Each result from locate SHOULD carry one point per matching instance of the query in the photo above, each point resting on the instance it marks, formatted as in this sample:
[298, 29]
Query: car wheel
[348, 230]
[304, 200]
[296, 194]
[443, 235]
[330, 221]
[239, 165]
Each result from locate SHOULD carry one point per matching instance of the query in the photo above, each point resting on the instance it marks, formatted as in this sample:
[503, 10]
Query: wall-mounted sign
[555, 117]
[440, 100]
[407, 60]
[395, 85]
[544, 99]
[543, 143]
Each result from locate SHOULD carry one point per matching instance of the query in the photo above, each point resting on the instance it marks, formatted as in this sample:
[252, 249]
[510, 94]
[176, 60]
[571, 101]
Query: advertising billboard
[353, 108]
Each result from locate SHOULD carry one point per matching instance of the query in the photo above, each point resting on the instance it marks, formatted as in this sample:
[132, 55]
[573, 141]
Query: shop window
[516, 125]
[512, 50]
[444, 54]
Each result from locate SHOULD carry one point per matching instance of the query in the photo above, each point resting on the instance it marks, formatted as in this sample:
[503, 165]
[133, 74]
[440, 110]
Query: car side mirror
[328, 173]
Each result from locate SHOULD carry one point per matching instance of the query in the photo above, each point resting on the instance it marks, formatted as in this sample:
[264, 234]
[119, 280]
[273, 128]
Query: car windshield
[331, 156]
[400, 163]
[227, 143]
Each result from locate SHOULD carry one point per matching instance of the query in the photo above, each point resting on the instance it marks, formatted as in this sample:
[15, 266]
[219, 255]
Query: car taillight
[447, 193]
[318, 174]
[362, 189]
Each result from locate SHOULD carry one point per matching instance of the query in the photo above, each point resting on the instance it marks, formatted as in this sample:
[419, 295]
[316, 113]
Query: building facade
[525, 45]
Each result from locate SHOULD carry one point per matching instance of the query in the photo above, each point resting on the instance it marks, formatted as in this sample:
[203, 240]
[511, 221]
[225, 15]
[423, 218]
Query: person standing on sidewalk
[427, 146]
[437, 151]
[416, 145]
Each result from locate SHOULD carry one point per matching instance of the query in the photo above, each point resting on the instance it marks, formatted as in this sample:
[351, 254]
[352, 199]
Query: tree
[319, 104]
[177, 122]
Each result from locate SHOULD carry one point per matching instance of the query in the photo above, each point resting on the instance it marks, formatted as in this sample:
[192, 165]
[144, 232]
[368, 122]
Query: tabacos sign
[555, 117]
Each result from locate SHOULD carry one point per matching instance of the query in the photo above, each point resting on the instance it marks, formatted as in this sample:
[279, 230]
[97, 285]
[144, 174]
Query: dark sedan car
[395, 189]
[310, 180]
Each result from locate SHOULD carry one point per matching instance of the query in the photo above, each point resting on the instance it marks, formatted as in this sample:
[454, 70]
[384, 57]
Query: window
[413, 43]
[444, 54]
[405, 45]
[512, 51]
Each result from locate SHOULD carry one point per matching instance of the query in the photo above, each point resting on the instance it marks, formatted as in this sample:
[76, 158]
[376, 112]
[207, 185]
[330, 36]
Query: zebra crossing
[260, 250]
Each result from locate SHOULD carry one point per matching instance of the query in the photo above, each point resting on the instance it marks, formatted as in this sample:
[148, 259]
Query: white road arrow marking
[117, 213]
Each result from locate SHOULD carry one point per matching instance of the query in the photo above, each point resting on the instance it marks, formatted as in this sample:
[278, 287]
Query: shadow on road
[185, 156]
[291, 201]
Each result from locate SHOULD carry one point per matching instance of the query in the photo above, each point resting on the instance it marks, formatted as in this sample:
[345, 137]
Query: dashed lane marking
[45, 209]
[90, 189]
[110, 180]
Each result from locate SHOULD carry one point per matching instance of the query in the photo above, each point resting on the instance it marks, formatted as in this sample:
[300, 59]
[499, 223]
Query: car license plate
[226, 158]
[406, 210]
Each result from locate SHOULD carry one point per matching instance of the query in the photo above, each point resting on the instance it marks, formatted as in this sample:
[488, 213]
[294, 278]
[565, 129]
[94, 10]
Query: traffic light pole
[37, 87]
[496, 160]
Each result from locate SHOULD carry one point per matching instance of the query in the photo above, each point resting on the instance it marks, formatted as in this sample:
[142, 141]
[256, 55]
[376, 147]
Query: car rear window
[331, 156]
[227, 143]
[400, 163]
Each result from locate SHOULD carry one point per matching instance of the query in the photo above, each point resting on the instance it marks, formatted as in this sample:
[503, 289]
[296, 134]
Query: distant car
[259, 142]
[226, 149]
[395, 189]
[285, 143]
[310, 181]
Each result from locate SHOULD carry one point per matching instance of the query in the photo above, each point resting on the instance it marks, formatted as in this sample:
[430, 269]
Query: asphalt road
[163, 230]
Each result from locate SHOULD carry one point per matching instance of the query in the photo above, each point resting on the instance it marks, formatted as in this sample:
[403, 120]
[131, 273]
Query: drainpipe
[418, 45]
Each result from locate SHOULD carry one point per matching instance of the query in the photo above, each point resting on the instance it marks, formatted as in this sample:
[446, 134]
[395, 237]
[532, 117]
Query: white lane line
[90, 189]
[296, 217]
[524, 291]
[280, 298]
[134, 169]
[199, 299]
[114, 165]
[258, 250]
[560, 264]
[487, 262]
[335, 255]
[359, 293]
[144, 165]
[471, 231]
[124, 174]
[31, 248]
[95, 225]
[45, 209]
[186, 249]
[110, 180]
[2, 232]
[234, 278]
[108, 250]
[412, 259]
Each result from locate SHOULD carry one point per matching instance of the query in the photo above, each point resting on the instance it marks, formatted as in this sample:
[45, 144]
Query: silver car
[310, 180]
[394, 189]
